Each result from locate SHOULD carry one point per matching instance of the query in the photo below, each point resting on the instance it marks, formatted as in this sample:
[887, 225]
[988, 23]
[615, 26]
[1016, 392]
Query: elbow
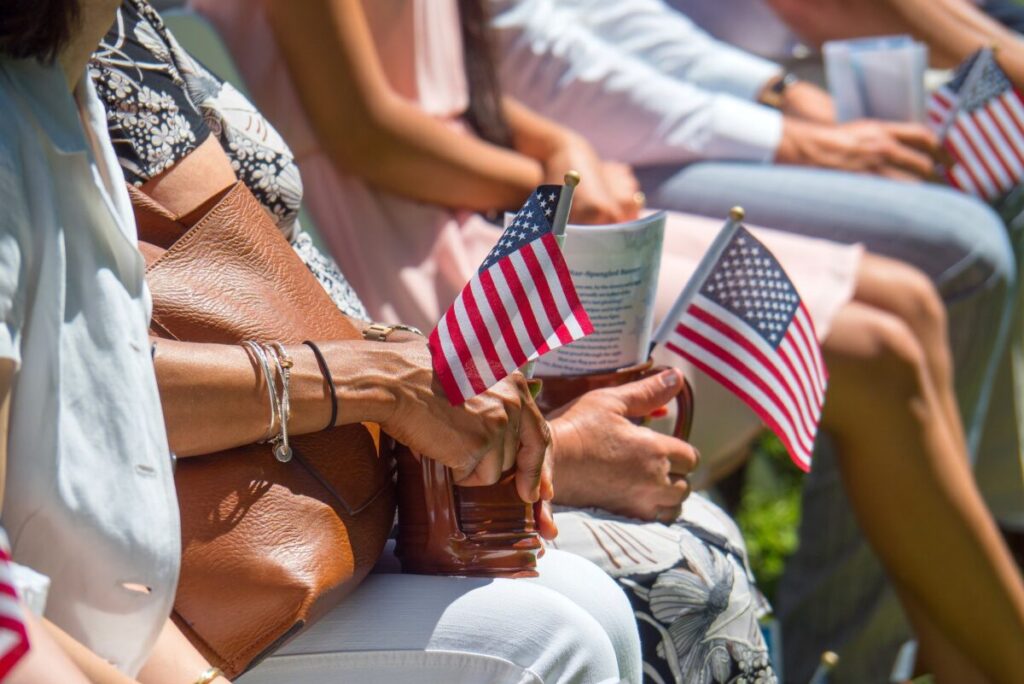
[360, 145]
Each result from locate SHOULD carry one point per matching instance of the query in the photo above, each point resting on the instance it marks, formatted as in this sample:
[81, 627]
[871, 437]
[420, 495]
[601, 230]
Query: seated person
[431, 121]
[126, 66]
[648, 87]
[90, 496]
[814, 23]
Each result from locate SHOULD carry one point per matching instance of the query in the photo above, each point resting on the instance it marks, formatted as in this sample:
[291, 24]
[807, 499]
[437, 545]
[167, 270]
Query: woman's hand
[491, 433]
[605, 193]
[602, 459]
[623, 188]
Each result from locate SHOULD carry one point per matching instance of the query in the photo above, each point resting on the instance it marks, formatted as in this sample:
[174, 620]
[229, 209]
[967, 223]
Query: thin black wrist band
[325, 369]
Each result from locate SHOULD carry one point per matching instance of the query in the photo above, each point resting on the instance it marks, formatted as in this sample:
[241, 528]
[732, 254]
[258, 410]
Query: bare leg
[913, 493]
[907, 293]
[936, 655]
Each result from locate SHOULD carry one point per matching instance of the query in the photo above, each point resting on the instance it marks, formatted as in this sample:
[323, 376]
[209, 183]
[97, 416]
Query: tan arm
[46, 662]
[95, 669]
[368, 130]
[958, 28]
[173, 660]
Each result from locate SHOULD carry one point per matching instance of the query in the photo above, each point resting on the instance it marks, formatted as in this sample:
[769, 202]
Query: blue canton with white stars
[750, 283]
[530, 223]
[990, 81]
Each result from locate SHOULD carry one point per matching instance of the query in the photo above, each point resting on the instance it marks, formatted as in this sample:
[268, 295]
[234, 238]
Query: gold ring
[640, 199]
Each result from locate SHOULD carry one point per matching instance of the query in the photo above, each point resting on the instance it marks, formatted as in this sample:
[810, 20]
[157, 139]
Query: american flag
[742, 323]
[519, 305]
[13, 636]
[980, 119]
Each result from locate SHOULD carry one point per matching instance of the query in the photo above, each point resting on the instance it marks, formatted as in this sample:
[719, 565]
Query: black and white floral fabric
[694, 597]
[162, 104]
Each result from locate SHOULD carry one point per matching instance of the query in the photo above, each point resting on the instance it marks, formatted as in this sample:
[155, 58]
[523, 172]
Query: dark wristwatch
[775, 94]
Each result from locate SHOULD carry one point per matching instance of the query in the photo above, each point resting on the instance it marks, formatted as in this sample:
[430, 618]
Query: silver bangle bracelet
[261, 358]
[282, 450]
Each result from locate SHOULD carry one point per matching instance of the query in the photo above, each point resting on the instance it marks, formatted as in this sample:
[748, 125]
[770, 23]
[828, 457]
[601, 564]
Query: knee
[892, 366]
[921, 307]
[561, 641]
[592, 589]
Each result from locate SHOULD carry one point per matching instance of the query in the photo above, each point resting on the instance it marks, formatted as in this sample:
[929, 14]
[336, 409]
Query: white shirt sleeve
[626, 107]
[13, 218]
[674, 45]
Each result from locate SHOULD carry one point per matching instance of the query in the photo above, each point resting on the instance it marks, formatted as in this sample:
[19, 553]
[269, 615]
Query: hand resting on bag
[213, 399]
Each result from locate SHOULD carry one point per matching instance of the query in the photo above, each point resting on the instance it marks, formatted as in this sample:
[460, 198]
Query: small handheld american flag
[979, 116]
[519, 305]
[741, 321]
[13, 635]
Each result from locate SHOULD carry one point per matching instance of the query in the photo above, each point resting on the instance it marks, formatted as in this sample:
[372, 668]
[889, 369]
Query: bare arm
[47, 663]
[953, 29]
[607, 192]
[370, 131]
[957, 29]
[214, 397]
[173, 660]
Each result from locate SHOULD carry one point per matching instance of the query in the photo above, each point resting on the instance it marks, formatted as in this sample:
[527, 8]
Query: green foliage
[769, 511]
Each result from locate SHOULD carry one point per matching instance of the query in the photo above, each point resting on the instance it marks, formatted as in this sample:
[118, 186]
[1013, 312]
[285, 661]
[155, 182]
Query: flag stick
[732, 224]
[828, 662]
[558, 224]
[561, 219]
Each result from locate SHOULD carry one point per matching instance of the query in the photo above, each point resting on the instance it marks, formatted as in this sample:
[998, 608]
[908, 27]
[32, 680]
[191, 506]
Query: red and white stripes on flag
[520, 305]
[980, 117]
[13, 635]
[744, 325]
[785, 386]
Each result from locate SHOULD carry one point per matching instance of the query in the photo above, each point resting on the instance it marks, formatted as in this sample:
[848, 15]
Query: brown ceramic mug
[445, 529]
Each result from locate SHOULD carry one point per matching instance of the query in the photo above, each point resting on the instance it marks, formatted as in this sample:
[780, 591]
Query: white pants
[572, 624]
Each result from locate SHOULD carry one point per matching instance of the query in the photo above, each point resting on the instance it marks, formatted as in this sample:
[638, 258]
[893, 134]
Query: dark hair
[37, 28]
[485, 113]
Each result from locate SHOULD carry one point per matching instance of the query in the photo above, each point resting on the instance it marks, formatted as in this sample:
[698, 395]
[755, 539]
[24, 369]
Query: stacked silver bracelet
[271, 357]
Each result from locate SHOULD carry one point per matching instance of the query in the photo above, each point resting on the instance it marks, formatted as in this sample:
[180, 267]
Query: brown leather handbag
[266, 546]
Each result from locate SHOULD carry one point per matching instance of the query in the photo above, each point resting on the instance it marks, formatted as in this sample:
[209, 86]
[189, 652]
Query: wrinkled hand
[905, 151]
[601, 196]
[491, 433]
[602, 459]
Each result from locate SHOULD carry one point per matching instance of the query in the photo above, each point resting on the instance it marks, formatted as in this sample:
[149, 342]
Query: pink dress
[408, 260]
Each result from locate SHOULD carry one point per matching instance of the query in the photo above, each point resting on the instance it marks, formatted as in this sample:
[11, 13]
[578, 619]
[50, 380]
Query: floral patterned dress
[696, 603]
[162, 104]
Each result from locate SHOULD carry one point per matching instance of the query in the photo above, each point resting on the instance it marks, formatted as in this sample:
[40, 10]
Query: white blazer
[90, 493]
